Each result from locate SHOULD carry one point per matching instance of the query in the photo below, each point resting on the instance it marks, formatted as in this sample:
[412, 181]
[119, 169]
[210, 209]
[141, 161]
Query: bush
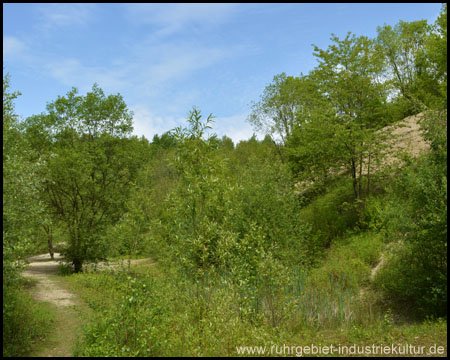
[348, 263]
[416, 212]
[332, 214]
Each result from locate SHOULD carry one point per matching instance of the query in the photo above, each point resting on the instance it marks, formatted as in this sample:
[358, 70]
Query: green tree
[348, 75]
[22, 209]
[434, 58]
[90, 164]
[284, 103]
[23, 321]
[227, 144]
[196, 203]
[310, 155]
[402, 47]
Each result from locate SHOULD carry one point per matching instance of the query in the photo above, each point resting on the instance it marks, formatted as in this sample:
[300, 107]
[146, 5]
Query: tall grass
[147, 313]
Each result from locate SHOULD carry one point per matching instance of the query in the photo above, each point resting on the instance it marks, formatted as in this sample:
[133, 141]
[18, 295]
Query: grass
[325, 306]
[26, 323]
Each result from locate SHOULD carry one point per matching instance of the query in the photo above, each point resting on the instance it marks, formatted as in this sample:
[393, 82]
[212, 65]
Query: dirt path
[68, 307]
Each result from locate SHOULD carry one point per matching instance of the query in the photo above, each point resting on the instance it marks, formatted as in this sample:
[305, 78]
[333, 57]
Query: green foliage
[21, 205]
[131, 232]
[244, 256]
[416, 213]
[247, 152]
[25, 322]
[283, 104]
[309, 157]
[142, 316]
[265, 197]
[89, 166]
[348, 74]
[331, 214]
[133, 326]
[197, 208]
[165, 141]
[436, 55]
[348, 263]
[416, 60]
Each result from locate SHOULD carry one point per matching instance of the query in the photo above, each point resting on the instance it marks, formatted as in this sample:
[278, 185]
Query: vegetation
[21, 211]
[304, 237]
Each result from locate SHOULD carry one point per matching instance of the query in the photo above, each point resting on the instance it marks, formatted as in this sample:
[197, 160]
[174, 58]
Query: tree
[435, 59]
[227, 144]
[280, 106]
[402, 46]
[194, 201]
[348, 75]
[22, 209]
[310, 155]
[165, 141]
[90, 164]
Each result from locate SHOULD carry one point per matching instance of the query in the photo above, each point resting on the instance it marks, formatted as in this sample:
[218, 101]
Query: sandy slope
[405, 137]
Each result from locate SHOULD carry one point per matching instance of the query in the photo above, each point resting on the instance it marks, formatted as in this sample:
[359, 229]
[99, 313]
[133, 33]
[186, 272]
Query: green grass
[26, 323]
[348, 262]
[173, 317]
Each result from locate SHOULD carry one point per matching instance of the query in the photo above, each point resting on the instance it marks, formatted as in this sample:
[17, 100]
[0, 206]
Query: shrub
[417, 213]
[332, 214]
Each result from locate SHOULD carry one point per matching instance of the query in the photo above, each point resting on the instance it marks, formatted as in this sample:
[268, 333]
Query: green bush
[265, 197]
[416, 214]
[348, 262]
[332, 214]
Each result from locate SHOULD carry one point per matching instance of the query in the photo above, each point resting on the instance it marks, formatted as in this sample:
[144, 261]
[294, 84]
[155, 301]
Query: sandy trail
[48, 287]
[67, 305]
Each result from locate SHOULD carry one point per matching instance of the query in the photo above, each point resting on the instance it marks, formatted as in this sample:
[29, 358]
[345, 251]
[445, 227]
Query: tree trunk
[368, 175]
[360, 174]
[77, 265]
[49, 232]
[50, 245]
[355, 184]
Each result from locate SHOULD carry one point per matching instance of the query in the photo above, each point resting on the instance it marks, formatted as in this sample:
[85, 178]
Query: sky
[166, 58]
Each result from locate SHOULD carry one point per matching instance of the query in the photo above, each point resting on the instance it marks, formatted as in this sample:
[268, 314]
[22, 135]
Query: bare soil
[48, 288]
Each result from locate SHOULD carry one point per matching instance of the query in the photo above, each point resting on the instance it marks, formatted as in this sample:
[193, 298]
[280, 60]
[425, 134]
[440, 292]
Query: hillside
[406, 138]
[403, 138]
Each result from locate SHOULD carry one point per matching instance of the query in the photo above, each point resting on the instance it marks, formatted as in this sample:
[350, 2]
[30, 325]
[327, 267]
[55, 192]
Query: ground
[69, 309]
[67, 306]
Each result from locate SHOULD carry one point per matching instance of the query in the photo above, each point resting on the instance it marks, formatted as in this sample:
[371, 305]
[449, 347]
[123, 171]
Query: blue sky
[165, 58]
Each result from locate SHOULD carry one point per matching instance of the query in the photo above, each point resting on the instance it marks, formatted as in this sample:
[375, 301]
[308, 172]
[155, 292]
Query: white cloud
[145, 72]
[148, 123]
[150, 72]
[171, 18]
[71, 72]
[178, 61]
[12, 47]
[235, 127]
[62, 15]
